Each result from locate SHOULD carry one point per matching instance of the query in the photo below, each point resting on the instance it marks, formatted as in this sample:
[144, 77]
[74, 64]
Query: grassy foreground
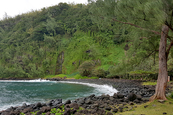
[155, 107]
[152, 108]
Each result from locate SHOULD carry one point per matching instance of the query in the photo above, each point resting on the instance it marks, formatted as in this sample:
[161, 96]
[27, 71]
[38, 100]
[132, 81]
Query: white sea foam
[35, 80]
[99, 89]
[102, 89]
[4, 107]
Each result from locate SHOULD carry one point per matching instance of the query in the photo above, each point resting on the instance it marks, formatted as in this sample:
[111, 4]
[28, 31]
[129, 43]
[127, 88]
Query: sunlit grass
[84, 77]
[153, 108]
[149, 83]
[77, 76]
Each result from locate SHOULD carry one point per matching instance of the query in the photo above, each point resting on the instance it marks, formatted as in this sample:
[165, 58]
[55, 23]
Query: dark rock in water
[56, 102]
[38, 104]
[67, 102]
[43, 104]
[10, 109]
[49, 103]
[59, 100]
[91, 96]
[131, 97]
[24, 105]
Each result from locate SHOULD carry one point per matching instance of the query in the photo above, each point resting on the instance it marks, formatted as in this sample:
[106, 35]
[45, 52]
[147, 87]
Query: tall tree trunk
[163, 74]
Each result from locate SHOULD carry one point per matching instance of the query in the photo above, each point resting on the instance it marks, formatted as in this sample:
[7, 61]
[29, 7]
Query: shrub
[171, 95]
[99, 73]
[85, 69]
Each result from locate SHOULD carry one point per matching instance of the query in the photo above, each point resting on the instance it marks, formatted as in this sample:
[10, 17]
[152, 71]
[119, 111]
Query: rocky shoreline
[131, 92]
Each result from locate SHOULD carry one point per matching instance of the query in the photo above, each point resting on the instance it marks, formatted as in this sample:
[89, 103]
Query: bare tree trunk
[163, 74]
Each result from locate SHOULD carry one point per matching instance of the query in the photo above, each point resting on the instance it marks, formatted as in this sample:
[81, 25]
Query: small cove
[15, 93]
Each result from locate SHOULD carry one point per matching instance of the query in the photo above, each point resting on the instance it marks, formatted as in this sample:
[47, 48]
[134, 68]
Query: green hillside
[67, 39]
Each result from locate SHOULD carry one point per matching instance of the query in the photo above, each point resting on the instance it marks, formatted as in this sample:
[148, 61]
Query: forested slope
[67, 39]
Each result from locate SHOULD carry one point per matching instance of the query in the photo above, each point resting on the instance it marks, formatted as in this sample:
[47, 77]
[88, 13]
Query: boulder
[111, 98]
[131, 97]
[44, 109]
[120, 96]
[24, 105]
[88, 101]
[139, 97]
[100, 112]
[14, 113]
[5, 113]
[108, 108]
[109, 113]
[67, 112]
[81, 101]
[115, 96]
[28, 109]
[56, 102]
[136, 101]
[94, 106]
[115, 110]
[91, 96]
[38, 105]
[67, 102]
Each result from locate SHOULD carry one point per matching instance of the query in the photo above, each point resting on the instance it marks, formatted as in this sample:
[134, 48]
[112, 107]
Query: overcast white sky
[15, 7]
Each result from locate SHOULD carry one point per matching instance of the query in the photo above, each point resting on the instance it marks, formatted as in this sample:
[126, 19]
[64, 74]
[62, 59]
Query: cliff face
[60, 60]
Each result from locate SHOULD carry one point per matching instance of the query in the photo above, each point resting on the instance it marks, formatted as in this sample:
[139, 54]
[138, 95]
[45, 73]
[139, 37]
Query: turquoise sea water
[15, 93]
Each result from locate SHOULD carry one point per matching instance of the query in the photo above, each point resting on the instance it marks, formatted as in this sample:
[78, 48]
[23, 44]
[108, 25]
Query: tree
[51, 26]
[153, 18]
[5, 17]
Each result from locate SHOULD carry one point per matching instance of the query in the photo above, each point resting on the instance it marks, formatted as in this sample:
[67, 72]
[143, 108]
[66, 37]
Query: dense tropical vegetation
[58, 39]
[103, 39]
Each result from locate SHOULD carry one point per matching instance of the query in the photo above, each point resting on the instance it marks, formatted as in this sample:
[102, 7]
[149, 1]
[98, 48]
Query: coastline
[126, 88]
